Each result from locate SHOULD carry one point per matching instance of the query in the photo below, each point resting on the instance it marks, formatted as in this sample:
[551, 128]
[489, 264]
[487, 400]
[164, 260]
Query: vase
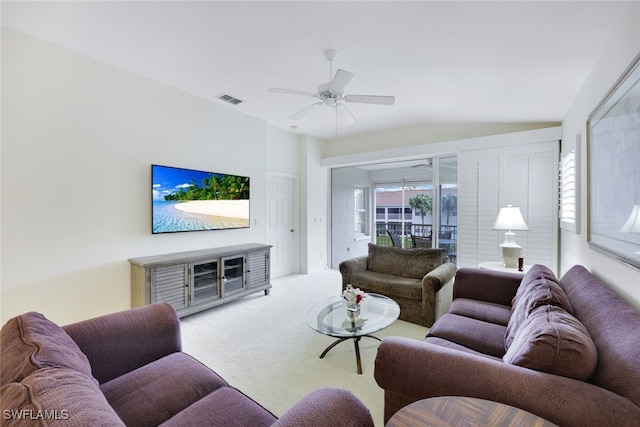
[353, 312]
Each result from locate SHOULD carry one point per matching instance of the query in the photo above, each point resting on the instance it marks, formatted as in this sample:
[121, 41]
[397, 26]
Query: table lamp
[509, 218]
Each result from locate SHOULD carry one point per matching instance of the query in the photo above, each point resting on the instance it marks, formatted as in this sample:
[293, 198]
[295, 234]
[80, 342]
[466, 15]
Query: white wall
[622, 48]
[282, 151]
[79, 137]
[314, 206]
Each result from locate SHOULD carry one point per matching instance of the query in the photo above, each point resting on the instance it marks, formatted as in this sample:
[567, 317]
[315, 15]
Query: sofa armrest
[350, 266]
[438, 277]
[409, 370]
[120, 342]
[486, 285]
[327, 406]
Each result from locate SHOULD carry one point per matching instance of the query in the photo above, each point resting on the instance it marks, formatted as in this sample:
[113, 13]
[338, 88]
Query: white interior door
[281, 224]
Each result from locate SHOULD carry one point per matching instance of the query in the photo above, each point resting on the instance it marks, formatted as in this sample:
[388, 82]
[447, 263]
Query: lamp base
[510, 250]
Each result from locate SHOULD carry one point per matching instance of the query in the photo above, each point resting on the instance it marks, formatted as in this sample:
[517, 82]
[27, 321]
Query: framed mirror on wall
[613, 159]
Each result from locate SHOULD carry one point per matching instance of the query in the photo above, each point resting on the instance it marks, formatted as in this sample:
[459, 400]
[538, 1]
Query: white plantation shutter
[531, 181]
[519, 175]
[569, 188]
[478, 202]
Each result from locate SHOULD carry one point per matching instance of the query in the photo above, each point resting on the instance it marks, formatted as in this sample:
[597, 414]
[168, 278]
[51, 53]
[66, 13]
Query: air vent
[230, 99]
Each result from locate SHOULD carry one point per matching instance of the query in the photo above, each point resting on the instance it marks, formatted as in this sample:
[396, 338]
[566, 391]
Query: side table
[497, 266]
[464, 411]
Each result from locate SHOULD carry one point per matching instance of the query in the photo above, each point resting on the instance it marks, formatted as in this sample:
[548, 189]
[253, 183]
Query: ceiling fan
[331, 93]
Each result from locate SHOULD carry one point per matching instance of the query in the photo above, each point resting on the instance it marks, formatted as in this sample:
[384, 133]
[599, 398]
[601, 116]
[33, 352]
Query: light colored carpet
[263, 346]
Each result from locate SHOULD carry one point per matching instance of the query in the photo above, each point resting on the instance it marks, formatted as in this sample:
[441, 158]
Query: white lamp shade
[633, 223]
[510, 218]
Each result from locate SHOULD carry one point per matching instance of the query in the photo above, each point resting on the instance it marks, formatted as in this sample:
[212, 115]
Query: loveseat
[411, 277]
[567, 350]
[127, 368]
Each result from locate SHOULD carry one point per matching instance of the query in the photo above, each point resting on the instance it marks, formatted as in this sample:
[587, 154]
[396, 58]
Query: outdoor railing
[448, 235]
[448, 232]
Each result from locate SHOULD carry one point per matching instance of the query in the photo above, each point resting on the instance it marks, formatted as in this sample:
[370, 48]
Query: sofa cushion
[388, 284]
[484, 337]
[540, 286]
[449, 344]
[534, 291]
[153, 393]
[225, 407]
[414, 263]
[553, 341]
[31, 342]
[481, 310]
[539, 271]
[56, 397]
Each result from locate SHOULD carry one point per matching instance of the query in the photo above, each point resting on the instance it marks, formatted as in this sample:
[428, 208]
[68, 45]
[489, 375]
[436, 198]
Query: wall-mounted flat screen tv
[192, 200]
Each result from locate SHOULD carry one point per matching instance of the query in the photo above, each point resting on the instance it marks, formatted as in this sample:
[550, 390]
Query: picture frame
[613, 166]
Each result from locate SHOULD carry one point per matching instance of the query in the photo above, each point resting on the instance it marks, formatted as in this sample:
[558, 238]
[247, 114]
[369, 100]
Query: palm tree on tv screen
[215, 187]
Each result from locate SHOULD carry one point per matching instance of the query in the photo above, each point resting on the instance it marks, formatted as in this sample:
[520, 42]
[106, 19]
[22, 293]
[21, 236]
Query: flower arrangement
[353, 296]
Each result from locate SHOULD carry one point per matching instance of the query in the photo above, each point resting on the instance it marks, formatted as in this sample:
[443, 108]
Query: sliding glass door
[421, 207]
[404, 208]
[448, 206]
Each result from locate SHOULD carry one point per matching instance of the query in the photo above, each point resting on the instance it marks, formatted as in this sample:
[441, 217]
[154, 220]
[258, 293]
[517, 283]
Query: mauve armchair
[411, 277]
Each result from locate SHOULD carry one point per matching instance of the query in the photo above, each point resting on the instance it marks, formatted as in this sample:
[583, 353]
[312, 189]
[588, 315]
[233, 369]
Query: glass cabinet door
[205, 282]
[232, 274]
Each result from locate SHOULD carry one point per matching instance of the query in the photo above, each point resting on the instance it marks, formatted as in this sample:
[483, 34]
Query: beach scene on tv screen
[190, 200]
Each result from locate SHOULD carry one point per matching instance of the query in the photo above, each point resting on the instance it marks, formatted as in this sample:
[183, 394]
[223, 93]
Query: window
[569, 187]
[360, 212]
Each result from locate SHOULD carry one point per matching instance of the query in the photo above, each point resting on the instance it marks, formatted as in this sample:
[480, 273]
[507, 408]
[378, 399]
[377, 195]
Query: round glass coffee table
[329, 317]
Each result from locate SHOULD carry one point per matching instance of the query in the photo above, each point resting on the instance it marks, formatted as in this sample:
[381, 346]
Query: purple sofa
[127, 368]
[567, 350]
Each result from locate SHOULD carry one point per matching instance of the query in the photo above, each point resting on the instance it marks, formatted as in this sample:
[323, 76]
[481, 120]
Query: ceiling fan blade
[305, 110]
[340, 81]
[338, 105]
[292, 92]
[371, 99]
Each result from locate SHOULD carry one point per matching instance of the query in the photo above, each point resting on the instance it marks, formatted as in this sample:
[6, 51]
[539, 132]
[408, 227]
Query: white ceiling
[445, 62]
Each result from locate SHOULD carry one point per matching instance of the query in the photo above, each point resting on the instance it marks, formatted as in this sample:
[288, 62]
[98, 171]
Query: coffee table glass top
[329, 316]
